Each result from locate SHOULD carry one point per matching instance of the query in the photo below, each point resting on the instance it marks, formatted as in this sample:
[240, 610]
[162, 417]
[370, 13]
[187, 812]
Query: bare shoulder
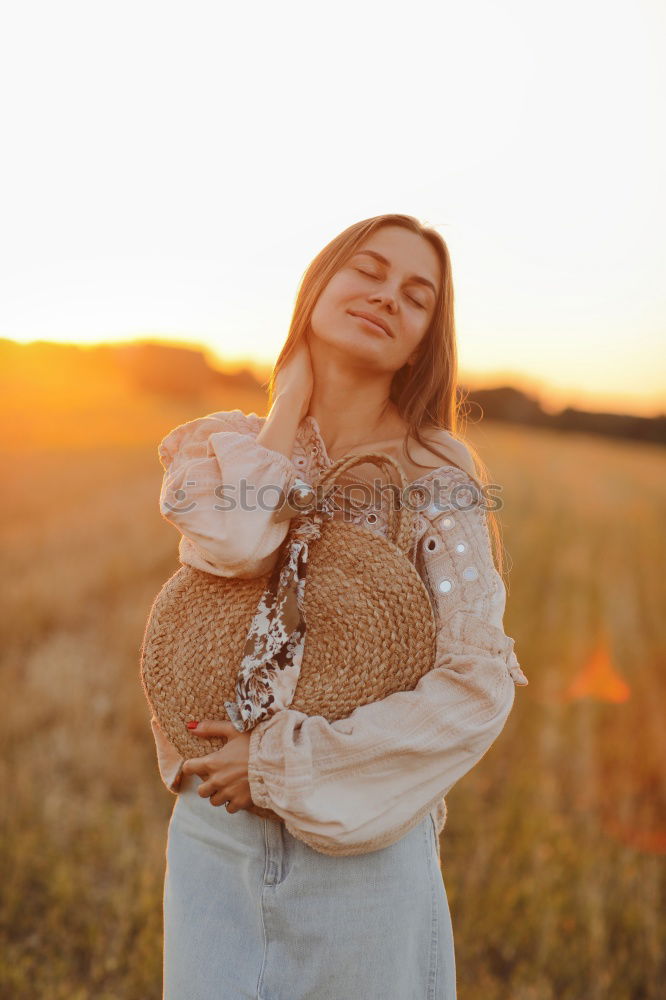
[456, 451]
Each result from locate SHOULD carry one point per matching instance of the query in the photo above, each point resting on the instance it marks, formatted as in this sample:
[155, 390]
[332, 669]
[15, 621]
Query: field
[554, 851]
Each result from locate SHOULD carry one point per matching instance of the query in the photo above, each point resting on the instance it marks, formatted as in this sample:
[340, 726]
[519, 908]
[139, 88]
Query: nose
[385, 296]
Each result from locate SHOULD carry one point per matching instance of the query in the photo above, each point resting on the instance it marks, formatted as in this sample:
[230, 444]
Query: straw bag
[370, 623]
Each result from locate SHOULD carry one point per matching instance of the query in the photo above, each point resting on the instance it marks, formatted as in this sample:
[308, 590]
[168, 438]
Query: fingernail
[193, 725]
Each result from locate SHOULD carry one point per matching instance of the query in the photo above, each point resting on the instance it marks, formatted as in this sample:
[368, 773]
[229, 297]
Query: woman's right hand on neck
[293, 389]
[295, 378]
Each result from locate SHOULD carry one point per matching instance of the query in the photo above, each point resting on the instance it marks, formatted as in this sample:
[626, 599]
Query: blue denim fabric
[251, 912]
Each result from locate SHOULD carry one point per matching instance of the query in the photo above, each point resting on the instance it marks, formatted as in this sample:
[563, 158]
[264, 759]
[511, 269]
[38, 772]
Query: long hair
[426, 393]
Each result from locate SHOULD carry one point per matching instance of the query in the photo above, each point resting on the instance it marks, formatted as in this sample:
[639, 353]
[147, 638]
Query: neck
[347, 420]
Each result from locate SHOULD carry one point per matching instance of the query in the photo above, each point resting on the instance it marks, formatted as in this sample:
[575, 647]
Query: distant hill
[174, 371]
[48, 372]
[514, 406]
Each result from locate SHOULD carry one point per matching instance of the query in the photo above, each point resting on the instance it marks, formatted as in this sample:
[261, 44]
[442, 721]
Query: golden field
[554, 851]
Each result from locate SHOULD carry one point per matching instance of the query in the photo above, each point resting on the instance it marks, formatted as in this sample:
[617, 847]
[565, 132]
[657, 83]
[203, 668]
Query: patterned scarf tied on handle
[275, 641]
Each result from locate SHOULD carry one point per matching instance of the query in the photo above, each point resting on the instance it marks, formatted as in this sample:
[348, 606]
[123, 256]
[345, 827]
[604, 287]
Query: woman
[321, 878]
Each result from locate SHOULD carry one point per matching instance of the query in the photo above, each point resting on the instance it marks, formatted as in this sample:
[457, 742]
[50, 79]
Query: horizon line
[551, 397]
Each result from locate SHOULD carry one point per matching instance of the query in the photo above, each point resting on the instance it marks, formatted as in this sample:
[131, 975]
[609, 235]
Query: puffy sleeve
[361, 783]
[224, 491]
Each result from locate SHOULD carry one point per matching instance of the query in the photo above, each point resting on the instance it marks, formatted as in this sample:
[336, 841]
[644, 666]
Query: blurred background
[167, 175]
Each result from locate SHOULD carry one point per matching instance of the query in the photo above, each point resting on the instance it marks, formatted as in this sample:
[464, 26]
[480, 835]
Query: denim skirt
[252, 913]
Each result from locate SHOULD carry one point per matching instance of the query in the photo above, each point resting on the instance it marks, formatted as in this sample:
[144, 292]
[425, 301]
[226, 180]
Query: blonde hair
[425, 392]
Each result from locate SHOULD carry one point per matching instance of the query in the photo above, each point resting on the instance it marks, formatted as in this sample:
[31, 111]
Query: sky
[168, 172]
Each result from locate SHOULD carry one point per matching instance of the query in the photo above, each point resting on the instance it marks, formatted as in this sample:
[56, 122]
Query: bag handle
[401, 519]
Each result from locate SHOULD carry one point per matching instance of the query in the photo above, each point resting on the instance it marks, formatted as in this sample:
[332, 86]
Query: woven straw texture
[370, 627]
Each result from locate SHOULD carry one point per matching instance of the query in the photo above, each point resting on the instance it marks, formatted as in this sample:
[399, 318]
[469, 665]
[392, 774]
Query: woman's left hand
[225, 771]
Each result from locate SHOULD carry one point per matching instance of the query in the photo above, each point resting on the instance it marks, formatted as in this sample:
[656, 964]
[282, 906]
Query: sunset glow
[598, 678]
[167, 182]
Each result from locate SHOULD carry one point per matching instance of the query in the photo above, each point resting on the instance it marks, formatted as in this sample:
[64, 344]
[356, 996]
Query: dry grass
[553, 855]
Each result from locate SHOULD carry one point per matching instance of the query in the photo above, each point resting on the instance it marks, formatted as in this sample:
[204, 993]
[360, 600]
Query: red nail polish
[193, 725]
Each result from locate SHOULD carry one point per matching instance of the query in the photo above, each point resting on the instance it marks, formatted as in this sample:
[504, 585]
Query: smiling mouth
[371, 324]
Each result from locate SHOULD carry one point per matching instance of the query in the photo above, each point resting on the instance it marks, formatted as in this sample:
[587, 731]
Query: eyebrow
[414, 277]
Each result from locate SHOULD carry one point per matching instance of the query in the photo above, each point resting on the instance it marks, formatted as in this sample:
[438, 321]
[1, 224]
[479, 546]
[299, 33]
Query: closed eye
[376, 277]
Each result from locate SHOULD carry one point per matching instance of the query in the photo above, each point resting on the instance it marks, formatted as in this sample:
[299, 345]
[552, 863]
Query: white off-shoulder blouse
[360, 783]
